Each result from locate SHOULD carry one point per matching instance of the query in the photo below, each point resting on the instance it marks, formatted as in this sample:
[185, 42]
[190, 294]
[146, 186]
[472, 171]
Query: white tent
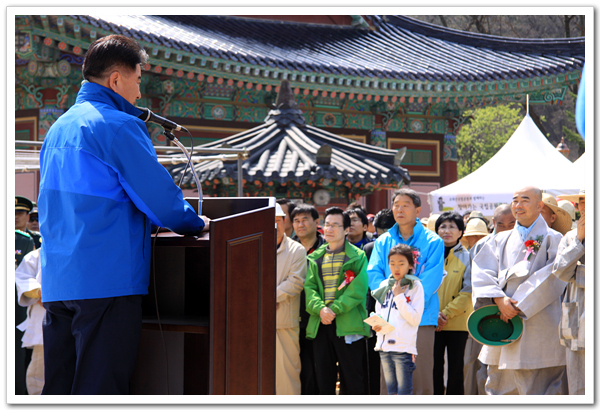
[579, 165]
[526, 159]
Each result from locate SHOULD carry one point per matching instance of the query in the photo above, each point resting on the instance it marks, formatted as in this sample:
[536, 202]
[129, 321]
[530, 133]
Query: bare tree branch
[567, 21]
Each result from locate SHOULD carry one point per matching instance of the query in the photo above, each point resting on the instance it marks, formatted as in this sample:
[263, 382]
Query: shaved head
[533, 192]
[502, 210]
[527, 205]
[503, 219]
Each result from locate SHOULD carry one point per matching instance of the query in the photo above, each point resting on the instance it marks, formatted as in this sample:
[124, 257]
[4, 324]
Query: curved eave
[388, 63]
[288, 154]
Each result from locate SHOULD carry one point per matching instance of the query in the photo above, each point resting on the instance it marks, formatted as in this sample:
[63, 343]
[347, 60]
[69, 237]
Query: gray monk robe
[569, 267]
[499, 270]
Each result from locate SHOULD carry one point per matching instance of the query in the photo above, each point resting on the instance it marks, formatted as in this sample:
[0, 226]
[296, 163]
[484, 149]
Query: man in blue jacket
[101, 188]
[429, 267]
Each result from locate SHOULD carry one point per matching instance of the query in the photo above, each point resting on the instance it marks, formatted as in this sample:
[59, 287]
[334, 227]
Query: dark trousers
[455, 342]
[373, 355]
[22, 355]
[308, 378]
[329, 349]
[90, 346]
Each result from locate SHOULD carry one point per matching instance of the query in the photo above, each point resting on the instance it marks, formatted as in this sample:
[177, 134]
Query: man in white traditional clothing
[28, 278]
[291, 273]
[569, 267]
[476, 373]
[514, 271]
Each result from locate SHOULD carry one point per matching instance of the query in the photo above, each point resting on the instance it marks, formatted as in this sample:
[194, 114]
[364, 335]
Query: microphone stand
[172, 137]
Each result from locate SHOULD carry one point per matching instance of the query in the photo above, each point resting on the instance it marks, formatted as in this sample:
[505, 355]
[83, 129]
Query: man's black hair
[361, 215]
[355, 205]
[304, 209]
[384, 219]
[334, 210]
[290, 204]
[408, 192]
[111, 52]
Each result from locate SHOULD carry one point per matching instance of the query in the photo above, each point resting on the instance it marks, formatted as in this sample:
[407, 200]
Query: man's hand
[206, 223]
[377, 328]
[442, 321]
[581, 228]
[327, 316]
[507, 308]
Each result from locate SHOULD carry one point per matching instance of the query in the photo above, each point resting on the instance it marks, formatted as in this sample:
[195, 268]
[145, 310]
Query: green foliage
[487, 132]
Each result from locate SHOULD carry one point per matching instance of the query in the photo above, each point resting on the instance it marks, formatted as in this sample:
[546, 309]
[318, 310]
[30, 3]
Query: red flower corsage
[532, 246]
[348, 277]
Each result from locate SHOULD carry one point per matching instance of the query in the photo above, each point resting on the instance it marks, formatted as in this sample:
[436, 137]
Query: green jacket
[349, 305]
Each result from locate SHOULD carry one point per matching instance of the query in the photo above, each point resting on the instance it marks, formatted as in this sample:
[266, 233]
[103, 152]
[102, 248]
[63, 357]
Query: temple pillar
[449, 160]
[376, 201]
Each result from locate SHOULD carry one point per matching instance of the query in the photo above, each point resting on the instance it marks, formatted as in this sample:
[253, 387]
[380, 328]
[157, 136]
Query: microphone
[149, 116]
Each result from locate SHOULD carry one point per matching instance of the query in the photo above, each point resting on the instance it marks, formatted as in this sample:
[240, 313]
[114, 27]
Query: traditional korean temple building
[289, 157]
[387, 81]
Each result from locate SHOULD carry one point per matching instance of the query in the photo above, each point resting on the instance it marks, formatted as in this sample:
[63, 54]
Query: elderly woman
[455, 306]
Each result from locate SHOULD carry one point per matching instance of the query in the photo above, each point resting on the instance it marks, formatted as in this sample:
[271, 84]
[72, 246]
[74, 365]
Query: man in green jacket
[336, 289]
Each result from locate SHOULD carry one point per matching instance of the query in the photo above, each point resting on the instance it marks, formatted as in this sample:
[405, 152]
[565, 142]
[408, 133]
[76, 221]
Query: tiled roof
[399, 47]
[285, 149]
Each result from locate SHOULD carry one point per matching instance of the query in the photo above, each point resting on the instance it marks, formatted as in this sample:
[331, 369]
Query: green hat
[23, 204]
[486, 327]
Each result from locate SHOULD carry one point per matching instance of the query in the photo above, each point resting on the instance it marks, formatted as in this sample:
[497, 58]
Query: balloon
[580, 106]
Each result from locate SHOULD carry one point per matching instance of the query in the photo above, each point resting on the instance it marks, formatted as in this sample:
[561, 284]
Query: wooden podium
[214, 332]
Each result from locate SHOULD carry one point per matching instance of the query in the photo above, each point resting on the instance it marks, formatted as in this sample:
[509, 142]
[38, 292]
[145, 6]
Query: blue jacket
[101, 187]
[430, 266]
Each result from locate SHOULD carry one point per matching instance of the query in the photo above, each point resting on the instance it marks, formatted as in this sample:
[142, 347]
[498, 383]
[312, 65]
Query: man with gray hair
[429, 268]
[514, 271]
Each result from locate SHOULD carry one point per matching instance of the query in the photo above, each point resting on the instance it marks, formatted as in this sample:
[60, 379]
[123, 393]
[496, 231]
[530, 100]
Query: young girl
[401, 305]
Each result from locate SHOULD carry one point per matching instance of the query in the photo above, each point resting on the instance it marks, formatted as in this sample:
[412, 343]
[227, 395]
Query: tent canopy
[527, 158]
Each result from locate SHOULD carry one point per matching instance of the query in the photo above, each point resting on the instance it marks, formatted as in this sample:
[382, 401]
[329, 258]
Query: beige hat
[279, 210]
[573, 198]
[476, 214]
[476, 227]
[568, 206]
[431, 221]
[563, 221]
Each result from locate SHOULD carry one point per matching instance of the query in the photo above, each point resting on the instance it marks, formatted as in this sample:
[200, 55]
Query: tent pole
[527, 104]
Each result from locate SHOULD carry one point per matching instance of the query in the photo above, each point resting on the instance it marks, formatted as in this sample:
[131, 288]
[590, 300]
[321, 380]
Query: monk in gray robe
[569, 267]
[514, 271]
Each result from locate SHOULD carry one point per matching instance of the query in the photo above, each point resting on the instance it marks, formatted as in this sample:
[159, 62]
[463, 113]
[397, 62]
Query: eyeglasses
[332, 226]
[33, 219]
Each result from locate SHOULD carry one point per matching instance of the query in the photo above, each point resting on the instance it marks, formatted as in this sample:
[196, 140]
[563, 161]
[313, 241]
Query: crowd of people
[384, 308]
[366, 303]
